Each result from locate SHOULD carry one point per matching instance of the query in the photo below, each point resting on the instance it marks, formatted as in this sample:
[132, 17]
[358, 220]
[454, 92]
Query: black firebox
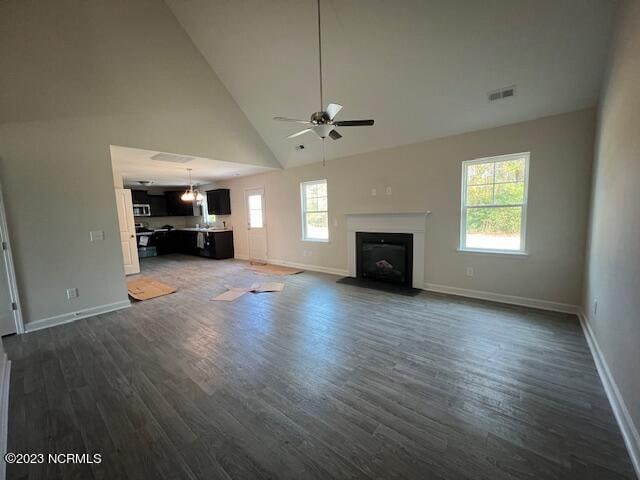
[385, 257]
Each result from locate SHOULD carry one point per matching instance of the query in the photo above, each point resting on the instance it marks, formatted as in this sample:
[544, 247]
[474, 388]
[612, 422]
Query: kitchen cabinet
[139, 196]
[218, 245]
[157, 203]
[219, 202]
[175, 206]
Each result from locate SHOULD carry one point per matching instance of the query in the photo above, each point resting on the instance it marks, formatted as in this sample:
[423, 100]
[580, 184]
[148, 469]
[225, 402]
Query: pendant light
[190, 193]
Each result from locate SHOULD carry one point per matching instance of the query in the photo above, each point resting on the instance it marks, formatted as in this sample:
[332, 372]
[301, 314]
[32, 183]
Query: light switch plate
[72, 293]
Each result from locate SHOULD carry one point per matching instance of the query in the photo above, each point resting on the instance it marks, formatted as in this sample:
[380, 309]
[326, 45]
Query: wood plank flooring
[320, 381]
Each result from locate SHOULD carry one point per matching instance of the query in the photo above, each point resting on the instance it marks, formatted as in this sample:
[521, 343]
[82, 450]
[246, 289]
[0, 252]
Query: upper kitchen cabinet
[157, 203]
[139, 196]
[176, 207]
[219, 202]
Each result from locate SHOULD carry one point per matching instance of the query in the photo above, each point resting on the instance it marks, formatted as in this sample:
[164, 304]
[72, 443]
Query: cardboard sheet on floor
[145, 288]
[267, 287]
[275, 270]
[230, 295]
[236, 292]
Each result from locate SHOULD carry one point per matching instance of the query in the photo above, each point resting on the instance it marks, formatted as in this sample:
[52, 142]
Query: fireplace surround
[413, 223]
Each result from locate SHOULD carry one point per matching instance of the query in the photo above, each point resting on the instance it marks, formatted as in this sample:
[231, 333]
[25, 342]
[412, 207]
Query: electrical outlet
[469, 271]
[335, 222]
[72, 293]
[96, 235]
[388, 191]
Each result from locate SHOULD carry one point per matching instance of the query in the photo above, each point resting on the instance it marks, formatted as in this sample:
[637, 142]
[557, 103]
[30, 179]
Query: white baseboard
[5, 377]
[72, 316]
[625, 422]
[313, 268]
[302, 266]
[501, 298]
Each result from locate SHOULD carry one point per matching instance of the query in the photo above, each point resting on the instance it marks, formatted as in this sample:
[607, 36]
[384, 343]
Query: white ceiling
[135, 165]
[420, 68]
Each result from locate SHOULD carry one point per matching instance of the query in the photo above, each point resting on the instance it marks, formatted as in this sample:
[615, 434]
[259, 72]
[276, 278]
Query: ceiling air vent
[506, 92]
[170, 157]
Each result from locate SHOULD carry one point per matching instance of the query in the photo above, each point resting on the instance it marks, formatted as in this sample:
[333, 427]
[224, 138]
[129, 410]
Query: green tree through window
[494, 203]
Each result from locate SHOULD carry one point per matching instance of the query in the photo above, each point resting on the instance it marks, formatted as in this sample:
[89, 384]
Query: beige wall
[613, 254]
[426, 176]
[78, 76]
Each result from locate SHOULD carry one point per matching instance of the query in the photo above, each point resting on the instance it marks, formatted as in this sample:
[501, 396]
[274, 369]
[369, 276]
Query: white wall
[613, 254]
[78, 76]
[426, 176]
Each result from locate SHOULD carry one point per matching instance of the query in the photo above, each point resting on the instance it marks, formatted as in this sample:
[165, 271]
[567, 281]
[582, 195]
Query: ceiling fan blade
[301, 132]
[353, 123]
[335, 135]
[333, 109]
[285, 119]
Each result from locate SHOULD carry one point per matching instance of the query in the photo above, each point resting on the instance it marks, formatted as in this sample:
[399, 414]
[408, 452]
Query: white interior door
[10, 314]
[7, 318]
[127, 231]
[256, 225]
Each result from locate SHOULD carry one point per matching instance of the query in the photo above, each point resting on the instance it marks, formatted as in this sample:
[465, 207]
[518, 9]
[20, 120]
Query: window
[494, 203]
[255, 211]
[315, 211]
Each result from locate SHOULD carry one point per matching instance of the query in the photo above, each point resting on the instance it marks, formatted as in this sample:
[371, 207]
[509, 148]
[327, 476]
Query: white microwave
[141, 210]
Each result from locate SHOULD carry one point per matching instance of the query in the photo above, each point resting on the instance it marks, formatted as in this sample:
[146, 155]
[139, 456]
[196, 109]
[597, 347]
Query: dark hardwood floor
[320, 381]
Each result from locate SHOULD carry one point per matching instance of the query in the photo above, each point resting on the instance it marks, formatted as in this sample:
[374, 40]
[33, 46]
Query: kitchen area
[173, 203]
[166, 223]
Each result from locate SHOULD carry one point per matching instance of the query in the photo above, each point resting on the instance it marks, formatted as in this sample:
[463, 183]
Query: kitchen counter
[204, 230]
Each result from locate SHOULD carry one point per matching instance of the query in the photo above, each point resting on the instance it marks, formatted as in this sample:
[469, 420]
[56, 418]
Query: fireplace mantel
[409, 222]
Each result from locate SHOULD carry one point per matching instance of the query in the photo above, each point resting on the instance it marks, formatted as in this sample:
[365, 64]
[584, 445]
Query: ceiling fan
[323, 123]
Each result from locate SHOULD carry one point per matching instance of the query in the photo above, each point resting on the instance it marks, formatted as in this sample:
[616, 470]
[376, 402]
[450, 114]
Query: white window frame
[464, 207]
[303, 210]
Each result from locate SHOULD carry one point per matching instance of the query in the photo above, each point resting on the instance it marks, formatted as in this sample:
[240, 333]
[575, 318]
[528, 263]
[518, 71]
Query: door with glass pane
[256, 225]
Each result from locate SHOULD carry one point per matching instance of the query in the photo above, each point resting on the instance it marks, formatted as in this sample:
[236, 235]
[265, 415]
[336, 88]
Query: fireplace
[385, 257]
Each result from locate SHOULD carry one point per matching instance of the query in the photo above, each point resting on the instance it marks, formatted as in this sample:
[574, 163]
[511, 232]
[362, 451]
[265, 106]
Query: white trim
[493, 252]
[464, 207]
[5, 377]
[625, 422]
[502, 298]
[11, 272]
[72, 316]
[304, 266]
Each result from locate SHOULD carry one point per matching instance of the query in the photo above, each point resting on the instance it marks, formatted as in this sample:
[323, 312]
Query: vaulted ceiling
[421, 68]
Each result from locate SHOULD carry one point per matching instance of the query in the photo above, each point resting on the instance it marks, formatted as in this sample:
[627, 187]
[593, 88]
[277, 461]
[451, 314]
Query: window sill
[315, 240]
[516, 253]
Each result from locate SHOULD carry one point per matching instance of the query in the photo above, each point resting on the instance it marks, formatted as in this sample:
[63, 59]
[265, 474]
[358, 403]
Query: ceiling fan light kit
[323, 122]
